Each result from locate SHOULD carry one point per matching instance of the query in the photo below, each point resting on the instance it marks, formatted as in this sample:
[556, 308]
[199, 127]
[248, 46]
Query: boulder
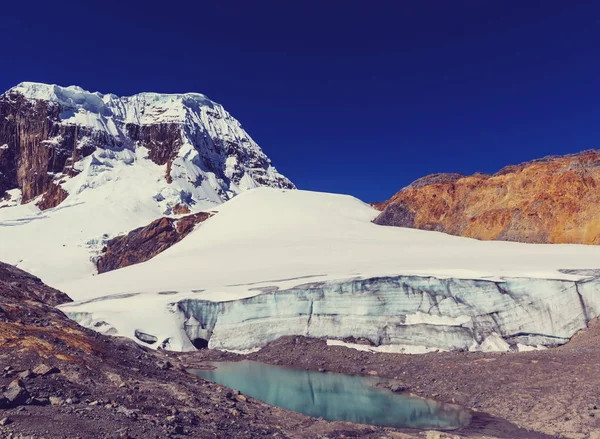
[55, 400]
[16, 393]
[26, 374]
[43, 370]
[146, 338]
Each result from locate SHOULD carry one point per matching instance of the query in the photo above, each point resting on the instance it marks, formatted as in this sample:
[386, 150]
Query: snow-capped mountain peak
[141, 108]
[64, 141]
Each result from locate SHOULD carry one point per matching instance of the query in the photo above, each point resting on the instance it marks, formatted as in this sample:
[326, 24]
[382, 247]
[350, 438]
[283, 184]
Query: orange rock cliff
[551, 200]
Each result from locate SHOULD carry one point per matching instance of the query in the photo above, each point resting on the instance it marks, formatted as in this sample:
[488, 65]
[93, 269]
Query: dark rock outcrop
[144, 243]
[16, 393]
[551, 200]
[35, 148]
[146, 338]
[180, 209]
[162, 139]
[53, 196]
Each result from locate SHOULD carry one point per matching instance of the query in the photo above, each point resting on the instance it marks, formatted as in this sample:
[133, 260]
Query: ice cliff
[409, 312]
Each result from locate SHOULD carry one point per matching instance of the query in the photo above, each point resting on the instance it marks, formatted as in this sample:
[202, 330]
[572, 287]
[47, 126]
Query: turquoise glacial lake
[334, 396]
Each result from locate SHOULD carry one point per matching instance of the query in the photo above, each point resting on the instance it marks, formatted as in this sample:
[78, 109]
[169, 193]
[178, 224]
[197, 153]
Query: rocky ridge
[551, 200]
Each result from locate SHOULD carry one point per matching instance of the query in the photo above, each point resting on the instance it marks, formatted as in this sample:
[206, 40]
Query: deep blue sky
[358, 97]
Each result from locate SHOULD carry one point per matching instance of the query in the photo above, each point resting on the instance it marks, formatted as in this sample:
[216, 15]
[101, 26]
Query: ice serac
[49, 134]
[550, 200]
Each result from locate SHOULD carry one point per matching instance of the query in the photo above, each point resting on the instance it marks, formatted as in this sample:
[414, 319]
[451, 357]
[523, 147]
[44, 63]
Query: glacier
[274, 263]
[404, 311]
[445, 314]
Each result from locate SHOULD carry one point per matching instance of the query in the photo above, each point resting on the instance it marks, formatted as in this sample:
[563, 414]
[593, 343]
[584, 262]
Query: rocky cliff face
[551, 200]
[34, 147]
[47, 131]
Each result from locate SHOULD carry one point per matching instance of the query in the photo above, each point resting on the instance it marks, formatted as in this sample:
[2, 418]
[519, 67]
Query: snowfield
[276, 262]
[106, 199]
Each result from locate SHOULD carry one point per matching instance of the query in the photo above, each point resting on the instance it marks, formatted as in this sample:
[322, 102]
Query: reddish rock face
[379, 205]
[181, 209]
[36, 151]
[26, 158]
[144, 243]
[35, 148]
[550, 200]
[53, 197]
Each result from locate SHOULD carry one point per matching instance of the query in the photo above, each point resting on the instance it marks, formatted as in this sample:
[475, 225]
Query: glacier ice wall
[446, 314]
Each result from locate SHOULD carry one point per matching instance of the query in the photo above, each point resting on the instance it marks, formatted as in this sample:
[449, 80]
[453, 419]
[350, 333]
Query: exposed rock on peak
[550, 200]
[434, 179]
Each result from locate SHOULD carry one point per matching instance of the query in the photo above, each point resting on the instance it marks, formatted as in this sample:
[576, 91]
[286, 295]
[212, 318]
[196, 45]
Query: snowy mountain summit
[180, 152]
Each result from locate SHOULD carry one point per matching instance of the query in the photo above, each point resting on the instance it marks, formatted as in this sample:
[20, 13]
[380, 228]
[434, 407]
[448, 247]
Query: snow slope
[276, 262]
[58, 244]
